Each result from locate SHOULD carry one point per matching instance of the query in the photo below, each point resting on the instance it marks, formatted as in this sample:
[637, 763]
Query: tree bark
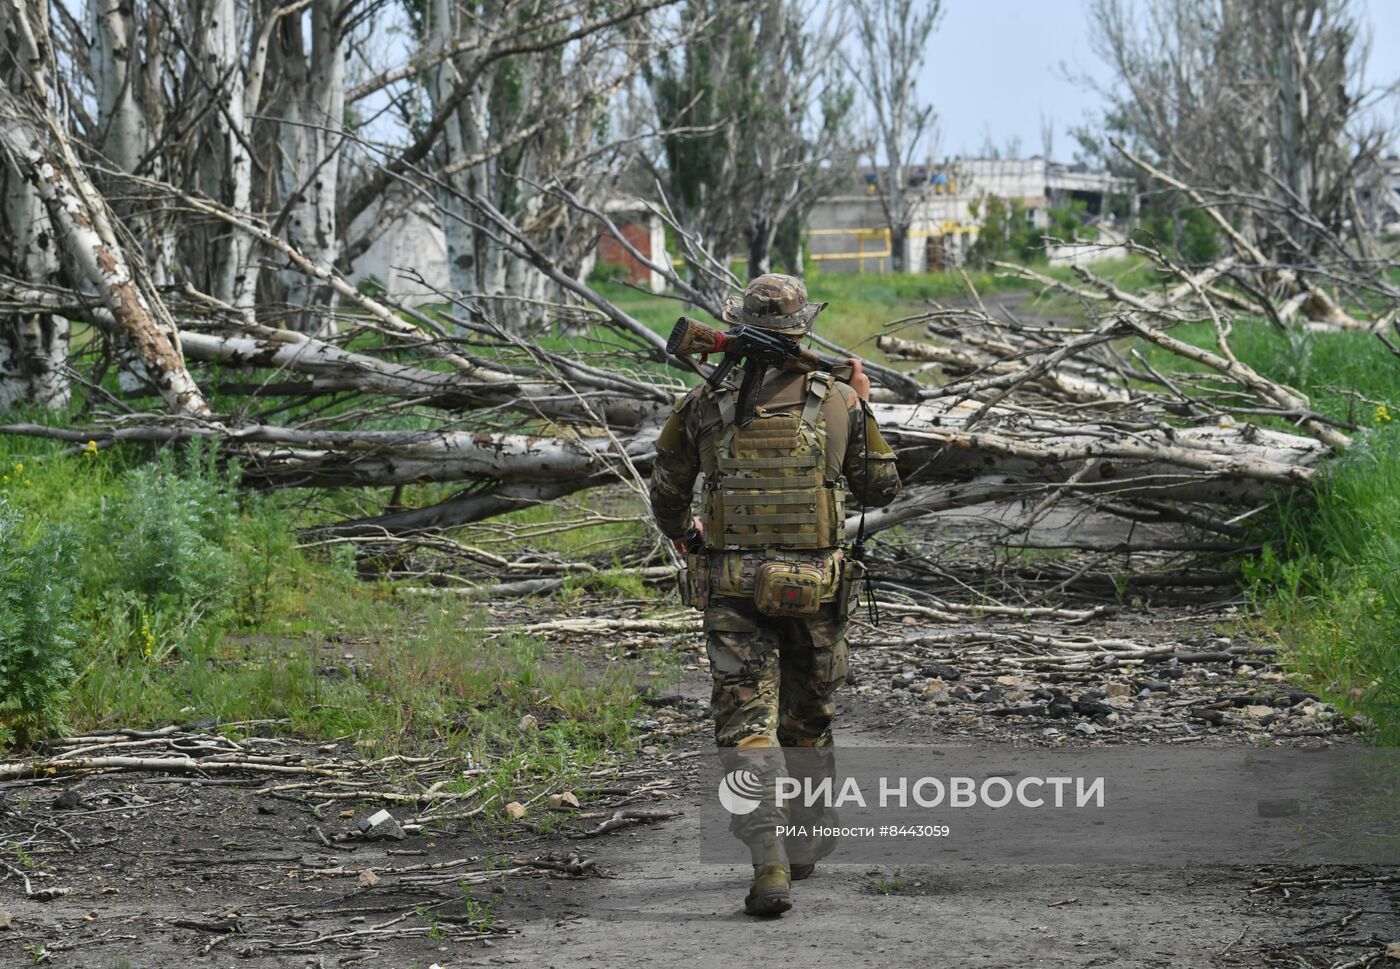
[311, 119]
[79, 216]
[33, 346]
[225, 164]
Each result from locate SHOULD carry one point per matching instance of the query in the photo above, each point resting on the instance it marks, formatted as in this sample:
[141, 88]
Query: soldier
[775, 579]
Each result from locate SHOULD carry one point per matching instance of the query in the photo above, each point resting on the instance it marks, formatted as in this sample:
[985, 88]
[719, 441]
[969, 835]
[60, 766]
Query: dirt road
[155, 871]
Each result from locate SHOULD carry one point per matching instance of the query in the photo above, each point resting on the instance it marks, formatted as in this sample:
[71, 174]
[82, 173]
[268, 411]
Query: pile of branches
[1014, 410]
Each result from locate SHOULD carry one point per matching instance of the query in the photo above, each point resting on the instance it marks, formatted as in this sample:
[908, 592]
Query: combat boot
[771, 891]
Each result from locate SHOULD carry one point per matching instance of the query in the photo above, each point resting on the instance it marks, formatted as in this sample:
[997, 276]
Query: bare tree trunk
[225, 165]
[311, 146]
[760, 239]
[893, 37]
[33, 346]
[79, 216]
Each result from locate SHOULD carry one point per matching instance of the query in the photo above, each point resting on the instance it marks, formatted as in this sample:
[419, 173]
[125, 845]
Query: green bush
[167, 541]
[1188, 235]
[1326, 583]
[1005, 234]
[36, 629]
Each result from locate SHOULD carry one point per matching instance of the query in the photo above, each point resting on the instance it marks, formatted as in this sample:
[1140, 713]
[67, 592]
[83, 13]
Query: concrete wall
[847, 231]
[413, 242]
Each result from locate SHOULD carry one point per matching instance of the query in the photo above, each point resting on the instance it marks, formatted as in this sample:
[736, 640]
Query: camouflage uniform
[774, 677]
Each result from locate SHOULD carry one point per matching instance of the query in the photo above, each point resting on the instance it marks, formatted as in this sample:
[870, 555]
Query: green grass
[1327, 585]
[280, 633]
[862, 304]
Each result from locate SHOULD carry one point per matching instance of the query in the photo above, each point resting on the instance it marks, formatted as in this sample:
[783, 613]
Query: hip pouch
[789, 588]
[694, 580]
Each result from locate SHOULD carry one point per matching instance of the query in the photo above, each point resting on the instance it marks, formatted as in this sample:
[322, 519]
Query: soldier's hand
[859, 382]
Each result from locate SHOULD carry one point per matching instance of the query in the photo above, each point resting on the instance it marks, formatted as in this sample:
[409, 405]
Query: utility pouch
[789, 588]
[694, 580]
[848, 593]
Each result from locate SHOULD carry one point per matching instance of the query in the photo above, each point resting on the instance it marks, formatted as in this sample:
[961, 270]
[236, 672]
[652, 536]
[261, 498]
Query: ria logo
[740, 792]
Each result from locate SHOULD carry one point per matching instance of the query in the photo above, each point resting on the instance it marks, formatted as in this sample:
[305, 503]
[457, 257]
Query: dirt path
[655, 911]
[155, 871]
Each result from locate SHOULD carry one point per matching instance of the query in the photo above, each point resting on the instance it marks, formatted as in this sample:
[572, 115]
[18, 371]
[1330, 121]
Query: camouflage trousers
[774, 678]
[775, 681]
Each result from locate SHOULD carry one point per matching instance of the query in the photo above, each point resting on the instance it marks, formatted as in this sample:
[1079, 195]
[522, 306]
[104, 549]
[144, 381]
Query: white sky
[994, 69]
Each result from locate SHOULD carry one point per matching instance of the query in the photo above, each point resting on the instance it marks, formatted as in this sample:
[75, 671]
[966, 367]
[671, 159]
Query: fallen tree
[1001, 409]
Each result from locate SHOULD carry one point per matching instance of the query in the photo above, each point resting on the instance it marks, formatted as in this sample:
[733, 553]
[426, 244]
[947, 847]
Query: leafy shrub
[1006, 233]
[169, 539]
[36, 629]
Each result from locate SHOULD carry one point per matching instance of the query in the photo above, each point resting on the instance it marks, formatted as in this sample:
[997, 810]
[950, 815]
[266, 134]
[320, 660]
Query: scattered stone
[368, 879]
[1118, 690]
[6, 921]
[1018, 710]
[1258, 710]
[1284, 807]
[565, 800]
[1060, 709]
[266, 809]
[1090, 707]
[1213, 717]
[528, 722]
[69, 800]
[1009, 680]
[1049, 732]
[940, 671]
[515, 810]
[382, 825]
[1086, 728]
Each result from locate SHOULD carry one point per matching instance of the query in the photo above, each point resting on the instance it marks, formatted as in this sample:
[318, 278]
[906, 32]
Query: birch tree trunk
[461, 258]
[33, 346]
[225, 165]
[79, 218]
[115, 76]
[311, 143]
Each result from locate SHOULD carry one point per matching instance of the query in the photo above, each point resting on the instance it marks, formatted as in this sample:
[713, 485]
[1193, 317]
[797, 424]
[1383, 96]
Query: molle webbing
[770, 487]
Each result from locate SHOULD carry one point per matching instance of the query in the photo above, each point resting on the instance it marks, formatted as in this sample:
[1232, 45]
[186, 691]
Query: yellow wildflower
[91, 448]
[1382, 414]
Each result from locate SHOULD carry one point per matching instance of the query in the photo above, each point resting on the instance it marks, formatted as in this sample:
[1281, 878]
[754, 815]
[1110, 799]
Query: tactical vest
[769, 489]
